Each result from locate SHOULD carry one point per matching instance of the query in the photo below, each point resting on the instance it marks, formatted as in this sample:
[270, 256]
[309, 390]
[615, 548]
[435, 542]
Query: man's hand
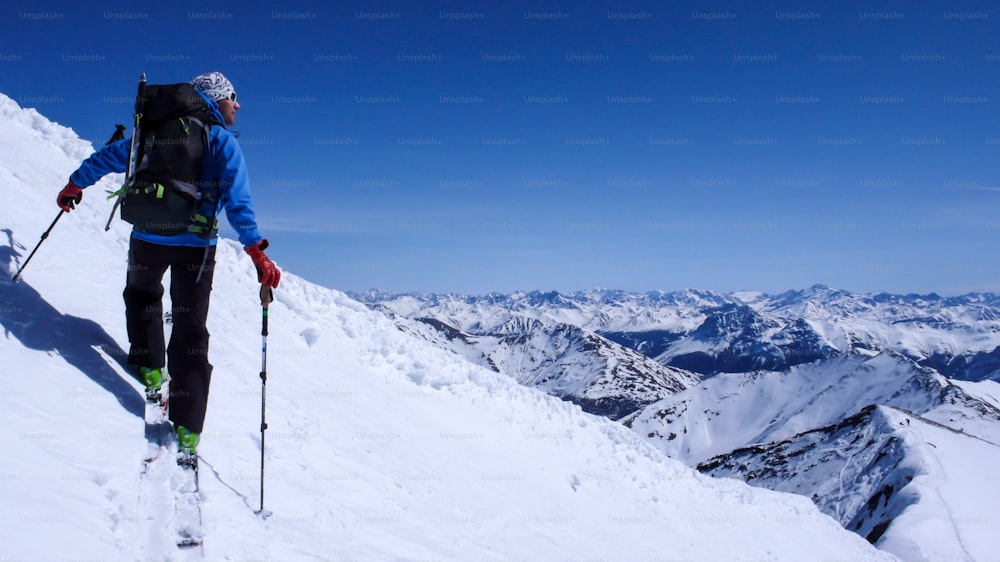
[267, 272]
[69, 197]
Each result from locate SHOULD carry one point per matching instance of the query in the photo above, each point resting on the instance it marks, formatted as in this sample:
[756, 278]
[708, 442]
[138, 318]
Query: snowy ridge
[380, 446]
[910, 485]
[829, 464]
[816, 430]
[601, 376]
[731, 411]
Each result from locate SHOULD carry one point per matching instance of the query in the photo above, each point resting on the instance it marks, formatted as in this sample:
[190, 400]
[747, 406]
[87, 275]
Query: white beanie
[215, 86]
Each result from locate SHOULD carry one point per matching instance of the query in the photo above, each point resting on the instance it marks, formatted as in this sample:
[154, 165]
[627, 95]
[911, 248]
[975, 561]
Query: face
[228, 110]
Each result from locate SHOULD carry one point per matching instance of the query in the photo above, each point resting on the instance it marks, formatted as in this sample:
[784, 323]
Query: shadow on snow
[25, 315]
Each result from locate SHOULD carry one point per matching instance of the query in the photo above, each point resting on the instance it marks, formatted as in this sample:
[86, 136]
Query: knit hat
[215, 86]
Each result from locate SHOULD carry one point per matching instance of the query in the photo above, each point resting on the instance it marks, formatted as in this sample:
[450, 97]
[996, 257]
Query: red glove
[267, 272]
[69, 197]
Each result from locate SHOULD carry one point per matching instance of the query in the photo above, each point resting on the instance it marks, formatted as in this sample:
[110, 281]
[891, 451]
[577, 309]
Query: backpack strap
[206, 226]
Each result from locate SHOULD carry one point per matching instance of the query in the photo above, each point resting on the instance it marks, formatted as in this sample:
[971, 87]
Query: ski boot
[153, 379]
[187, 448]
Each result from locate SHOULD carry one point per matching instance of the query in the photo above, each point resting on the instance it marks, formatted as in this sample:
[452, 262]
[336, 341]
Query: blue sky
[494, 146]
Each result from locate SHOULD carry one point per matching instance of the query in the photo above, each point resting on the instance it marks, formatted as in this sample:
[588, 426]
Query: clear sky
[496, 146]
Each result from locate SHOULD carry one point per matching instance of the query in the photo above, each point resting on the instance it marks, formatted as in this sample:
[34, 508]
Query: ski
[156, 499]
[188, 502]
[172, 498]
[169, 497]
[157, 430]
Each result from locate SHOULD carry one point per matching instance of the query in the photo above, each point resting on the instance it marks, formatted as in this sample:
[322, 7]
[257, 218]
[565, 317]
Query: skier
[187, 257]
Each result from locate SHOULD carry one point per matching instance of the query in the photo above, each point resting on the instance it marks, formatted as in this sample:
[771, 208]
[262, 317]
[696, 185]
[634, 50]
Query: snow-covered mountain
[906, 483]
[790, 386]
[712, 333]
[566, 361]
[831, 431]
[733, 410]
[381, 445]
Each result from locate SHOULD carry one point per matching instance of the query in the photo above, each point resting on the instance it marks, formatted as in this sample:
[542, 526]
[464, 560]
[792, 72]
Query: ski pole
[32, 254]
[133, 151]
[266, 296]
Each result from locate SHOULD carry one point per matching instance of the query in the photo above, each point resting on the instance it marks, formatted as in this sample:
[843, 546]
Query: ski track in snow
[936, 477]
[956, 529]
[155, 508]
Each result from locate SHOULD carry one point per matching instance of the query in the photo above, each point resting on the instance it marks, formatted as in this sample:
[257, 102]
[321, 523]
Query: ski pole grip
[266, 297]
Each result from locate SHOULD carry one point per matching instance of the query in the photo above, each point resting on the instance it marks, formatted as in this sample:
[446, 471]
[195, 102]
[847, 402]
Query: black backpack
[167, 194]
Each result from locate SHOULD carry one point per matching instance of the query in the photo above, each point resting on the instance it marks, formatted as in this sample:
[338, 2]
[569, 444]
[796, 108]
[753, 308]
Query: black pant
[187, 354]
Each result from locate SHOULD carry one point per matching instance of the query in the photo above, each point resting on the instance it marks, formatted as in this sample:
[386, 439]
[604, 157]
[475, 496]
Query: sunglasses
[232, 97]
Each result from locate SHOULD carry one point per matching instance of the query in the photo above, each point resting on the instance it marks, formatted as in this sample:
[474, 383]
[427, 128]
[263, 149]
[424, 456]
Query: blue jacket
[224, 162]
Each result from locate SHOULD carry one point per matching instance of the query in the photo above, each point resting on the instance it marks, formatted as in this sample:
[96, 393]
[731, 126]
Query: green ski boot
[153, 379]
[187, 447]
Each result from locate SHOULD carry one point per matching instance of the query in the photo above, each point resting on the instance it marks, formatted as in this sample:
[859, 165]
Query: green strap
[200, 225]
[157, 188]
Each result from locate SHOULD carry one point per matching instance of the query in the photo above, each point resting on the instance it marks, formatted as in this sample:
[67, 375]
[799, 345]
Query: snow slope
[734, 410]
[815, 431]
[566, 361]
[380, 446]
[919, 489]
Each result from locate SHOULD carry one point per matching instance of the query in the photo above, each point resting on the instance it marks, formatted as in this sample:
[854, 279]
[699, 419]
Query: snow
[594, 311]
[920, 490]
[988, 391]
[919, 327]
[380, 445]
[735, 410]
[953, 519]
[769, 421]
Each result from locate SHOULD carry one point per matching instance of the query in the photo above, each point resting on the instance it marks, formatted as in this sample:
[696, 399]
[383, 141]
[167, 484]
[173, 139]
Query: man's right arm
[109, 159]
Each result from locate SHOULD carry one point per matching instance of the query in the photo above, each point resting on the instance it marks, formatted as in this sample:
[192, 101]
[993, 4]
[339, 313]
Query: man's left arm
[112, 158]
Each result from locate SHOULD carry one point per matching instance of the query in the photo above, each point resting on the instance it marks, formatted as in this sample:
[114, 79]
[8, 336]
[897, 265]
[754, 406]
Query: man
[190, 256]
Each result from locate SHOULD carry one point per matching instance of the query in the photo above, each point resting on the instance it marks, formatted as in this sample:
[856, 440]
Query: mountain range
[708, 332]
[844, 398]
